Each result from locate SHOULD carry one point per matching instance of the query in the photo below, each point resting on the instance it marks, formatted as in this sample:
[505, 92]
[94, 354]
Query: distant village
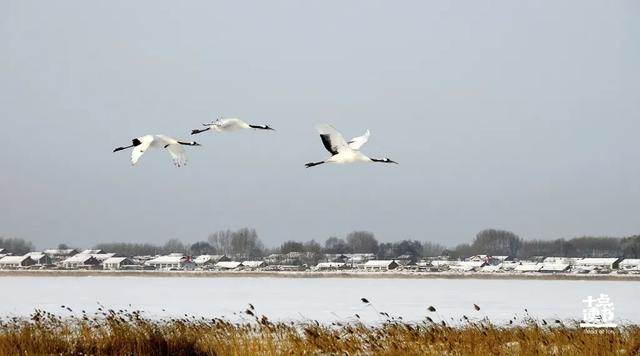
[491, 252]
[96, 259]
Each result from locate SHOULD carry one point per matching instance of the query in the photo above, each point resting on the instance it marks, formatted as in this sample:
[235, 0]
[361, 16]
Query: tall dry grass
[129, 333]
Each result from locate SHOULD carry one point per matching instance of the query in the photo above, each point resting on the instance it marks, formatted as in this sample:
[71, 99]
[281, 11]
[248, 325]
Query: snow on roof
[630, 262]
[117, 260]
[103, 256]
[253, 264]
[78, 258]
[12, 259]
[477, 257]
[379, 263]
[554, 267]
[202, 259]
[228, 264]
[591, 261]
[91, 252]
[35, 255]
[170, 259]
[500, 258]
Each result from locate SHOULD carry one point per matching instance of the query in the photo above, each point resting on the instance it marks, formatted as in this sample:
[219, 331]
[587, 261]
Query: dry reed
[123, 332]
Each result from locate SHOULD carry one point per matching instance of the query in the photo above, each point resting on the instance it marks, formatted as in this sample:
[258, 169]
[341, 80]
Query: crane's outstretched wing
[177, 154]
[231, 124]
[174, 148]
[332, 139]
[139, 150]
[357, 142]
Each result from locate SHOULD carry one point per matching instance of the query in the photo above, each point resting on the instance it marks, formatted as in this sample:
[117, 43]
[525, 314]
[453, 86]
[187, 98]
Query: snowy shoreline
[324, 274]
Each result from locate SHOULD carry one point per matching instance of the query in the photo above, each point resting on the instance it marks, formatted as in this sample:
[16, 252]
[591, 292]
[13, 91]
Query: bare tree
[336, 245]
[244, 242]
[362, 242]
[496, 242]
[174, 246]
[430, 249]
[292, 246]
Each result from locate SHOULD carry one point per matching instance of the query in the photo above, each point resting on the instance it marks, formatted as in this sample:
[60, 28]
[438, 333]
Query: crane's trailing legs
[311, 164]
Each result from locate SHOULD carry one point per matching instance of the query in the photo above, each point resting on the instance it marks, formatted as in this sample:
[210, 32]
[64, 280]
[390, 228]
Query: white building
[171, 261]
[254, 264]
[528, 267]
[630, 263]
[548, 267]
[58, 255]
[359, 258]
[565, 260]
[12, 262]
[380, 265]
[117, 263]
[40, 258]
[443, 263]
[327, 266]
[209, 260]
[103, 256]
[80, 261]
[228, 265]
[468, 266]
[606, 263]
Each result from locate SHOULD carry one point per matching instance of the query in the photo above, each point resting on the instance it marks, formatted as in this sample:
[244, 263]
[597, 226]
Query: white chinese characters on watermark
[598, 313]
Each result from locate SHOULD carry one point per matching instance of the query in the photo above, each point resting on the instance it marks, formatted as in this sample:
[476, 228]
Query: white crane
[228, 125]
[341, 150]
[141, 144]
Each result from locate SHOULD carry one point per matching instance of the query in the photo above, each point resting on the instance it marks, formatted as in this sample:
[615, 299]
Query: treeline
[365, 242]
[245, 243]
[15, 245]
[500, 242]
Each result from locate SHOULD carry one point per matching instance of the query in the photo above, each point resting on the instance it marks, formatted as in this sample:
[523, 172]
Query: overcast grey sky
[516, 115]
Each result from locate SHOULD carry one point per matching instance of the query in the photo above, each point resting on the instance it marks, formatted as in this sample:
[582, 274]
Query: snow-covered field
[323, 299]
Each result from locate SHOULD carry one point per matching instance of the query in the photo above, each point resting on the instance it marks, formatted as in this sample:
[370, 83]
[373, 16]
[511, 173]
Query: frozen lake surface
[323, 299]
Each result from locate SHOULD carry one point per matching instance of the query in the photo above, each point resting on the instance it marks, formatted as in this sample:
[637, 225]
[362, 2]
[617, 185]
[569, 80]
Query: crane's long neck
[122, 148]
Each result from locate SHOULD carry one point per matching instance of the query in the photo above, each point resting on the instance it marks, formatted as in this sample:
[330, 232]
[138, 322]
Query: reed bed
[122, 332]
